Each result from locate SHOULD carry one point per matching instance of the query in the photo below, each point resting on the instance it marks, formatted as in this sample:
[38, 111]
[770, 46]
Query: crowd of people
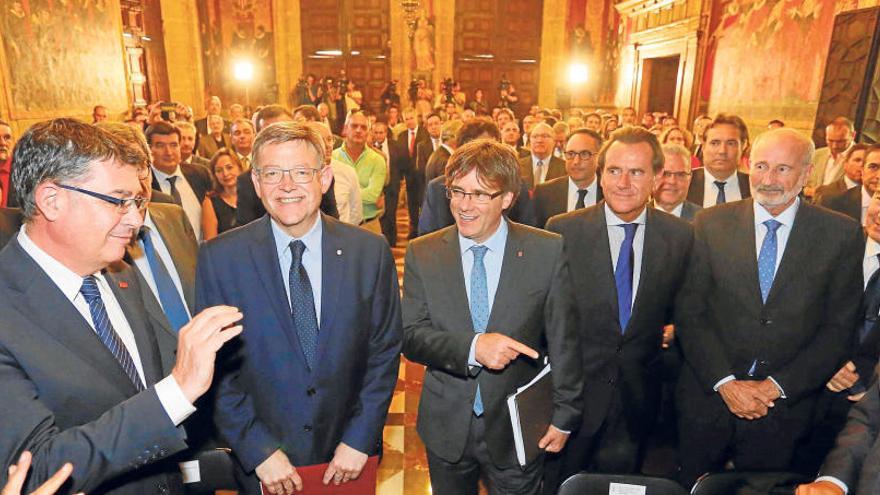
[169, 286]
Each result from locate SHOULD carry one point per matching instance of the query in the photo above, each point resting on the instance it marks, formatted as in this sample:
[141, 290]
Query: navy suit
[267, 397]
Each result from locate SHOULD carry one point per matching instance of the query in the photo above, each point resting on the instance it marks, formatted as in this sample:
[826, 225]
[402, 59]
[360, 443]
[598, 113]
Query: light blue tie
[767, 259]
[479, 306]
[169, 296]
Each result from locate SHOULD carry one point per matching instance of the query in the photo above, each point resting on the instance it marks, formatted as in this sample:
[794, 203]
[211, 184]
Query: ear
[50, 200]
[506, 200]
[326, 178]
[256, 181]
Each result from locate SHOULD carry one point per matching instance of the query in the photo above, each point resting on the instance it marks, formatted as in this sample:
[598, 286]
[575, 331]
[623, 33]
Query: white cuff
[472, 354]
[726, 379]
[781, 391]
[173, 401]
[832, 479]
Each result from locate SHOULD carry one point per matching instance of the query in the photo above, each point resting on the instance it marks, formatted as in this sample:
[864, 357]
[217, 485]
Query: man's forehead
[5, 129]
[724, 130]
[873, 156]
[581, 140]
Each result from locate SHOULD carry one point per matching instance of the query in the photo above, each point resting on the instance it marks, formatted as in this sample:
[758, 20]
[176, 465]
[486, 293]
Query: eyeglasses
[583, 155]
[122, 205]
[274, 175]
[676, 175]
[478, 197]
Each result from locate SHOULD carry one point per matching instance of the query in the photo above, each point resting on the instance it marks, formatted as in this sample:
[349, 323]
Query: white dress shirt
[675, 211]
[832, 168]
[347, 191]
[866, 201]
[190, 202]
[850, 183]
[616, 235]
[311, 259]
[786, 218]
[710, 190]
[589, 199]
[492, 261]
[69, 283]
[143, 265]
[540, 175]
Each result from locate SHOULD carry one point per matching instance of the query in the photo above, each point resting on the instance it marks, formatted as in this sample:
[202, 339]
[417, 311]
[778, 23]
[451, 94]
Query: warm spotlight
[243, 70]
[577, 73]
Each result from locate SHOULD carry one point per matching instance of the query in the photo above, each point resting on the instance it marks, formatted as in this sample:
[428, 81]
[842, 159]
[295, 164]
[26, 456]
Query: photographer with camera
[390, 98]
[507, 97]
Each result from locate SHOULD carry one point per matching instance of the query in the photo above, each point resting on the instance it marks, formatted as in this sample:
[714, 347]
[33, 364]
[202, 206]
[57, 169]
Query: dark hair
[587, 132]
[476, 127]
[62, 150]
[730, 119]
[495, 163]
[162, 129]
[270, 112]
[508, 111]
[220, 153]
[309, 112]
[432, 114]
[286, 132]
[777, 122]
[852, 149]
[635, 135]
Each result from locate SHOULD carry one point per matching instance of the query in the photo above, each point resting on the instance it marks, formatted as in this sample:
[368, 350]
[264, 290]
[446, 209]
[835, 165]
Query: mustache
[770, 189]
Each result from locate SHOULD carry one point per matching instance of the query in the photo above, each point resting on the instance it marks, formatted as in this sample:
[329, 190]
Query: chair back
[601, 484]
[748, 483]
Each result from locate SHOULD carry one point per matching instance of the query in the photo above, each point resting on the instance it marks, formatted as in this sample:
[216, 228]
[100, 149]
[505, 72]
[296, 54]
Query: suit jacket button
[307, 428]
[766, 321]
[162, 487]
[611, 381]
[311, 391]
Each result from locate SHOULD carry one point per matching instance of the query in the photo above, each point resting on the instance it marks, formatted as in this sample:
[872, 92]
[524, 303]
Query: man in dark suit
[579, 188]
[82, 367]
[186, 183]
[765, 317]
[510, 135]
[853, 163]
[854, 202]
[248, 204]
[476, 360]
[541, 166]
[436, 165]
[671, 190]
[413, 139]
[719, 181]
[630, 258]
[394, 151]
[188, 143]
[313, 377]
[213, 106]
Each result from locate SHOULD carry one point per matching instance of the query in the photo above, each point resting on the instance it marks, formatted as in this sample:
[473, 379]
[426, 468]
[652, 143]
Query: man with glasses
[312, 381]
[670, 192]
[628, 259]
[579, 188]
[478, 356]
[369, 165]
[541, 165]
[84, 372]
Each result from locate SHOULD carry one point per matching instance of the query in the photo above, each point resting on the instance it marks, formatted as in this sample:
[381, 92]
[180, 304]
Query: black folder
[531, 410]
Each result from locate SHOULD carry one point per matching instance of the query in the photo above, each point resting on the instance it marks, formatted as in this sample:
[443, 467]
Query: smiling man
[766, 315]
[670, 192]
[579, 188]
[312, 382]
[477, 358]
[631, 259]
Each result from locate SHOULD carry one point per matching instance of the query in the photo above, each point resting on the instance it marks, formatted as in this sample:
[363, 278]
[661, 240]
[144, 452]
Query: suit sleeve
[422, 342]
[129, 436]
[523, 210]
[696, 333]
[818, 360]
[235, 414]
[428, 218]
[560, 323]
[248, 206]
[364, 429]
[855, 441]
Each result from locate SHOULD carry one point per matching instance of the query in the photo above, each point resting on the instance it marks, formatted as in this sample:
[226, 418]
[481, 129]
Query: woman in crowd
[609, 126]
[478, 104]
[353, 97]
[218, 208]
[681, 137]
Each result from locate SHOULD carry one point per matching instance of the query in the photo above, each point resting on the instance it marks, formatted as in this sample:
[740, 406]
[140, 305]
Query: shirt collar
[66, 279]
[312, 238]
[711, 178]
[573, 188]
[495, 242]
[611, 218]
[162, 175]
[872, 248]
[448, 148]
[785, 218]
[545, 161]
[850, 183]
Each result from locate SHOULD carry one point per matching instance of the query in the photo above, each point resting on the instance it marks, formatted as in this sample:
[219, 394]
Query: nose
[624, 180]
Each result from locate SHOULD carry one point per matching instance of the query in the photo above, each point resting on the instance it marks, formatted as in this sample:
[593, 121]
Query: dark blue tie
[175, 193]
[479, 306]
[721, 198]
[105, 331]
[169, 296]
[302, 304]
[623, 275]
[767, 259]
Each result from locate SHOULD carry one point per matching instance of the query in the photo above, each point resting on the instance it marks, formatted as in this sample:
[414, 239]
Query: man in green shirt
[369, 165]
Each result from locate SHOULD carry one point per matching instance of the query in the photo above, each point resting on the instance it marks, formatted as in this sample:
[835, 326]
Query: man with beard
[765, 317]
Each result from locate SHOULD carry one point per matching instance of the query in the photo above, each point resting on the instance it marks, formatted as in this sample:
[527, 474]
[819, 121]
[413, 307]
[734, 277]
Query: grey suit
[848, 203]
[551, 198]
[820, 163]
[533, 305]
[67, 399]
[698, 185]
[833, 189]
[555, 168]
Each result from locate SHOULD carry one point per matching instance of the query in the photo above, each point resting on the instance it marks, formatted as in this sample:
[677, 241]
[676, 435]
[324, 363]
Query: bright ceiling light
[577, 73]
[243, 70]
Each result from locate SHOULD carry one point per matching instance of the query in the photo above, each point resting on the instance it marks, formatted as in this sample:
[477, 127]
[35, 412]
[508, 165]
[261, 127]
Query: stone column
[186, 74]
[553, 55]
[401, 45]
[288, 45]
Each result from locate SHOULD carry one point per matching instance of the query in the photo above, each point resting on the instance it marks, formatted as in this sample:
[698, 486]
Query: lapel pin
[123, 285]
[519, 254]
[338, 252]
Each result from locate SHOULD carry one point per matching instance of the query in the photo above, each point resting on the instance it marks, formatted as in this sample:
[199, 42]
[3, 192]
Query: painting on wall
[233, 31]
[754, 35]
[79, 42]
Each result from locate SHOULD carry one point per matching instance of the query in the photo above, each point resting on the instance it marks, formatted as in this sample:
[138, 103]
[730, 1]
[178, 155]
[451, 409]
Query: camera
[504, 85]
[447, 86]
[168, 111]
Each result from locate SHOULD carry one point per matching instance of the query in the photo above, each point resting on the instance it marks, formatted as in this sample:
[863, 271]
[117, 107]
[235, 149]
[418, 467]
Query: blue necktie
[623, 275]
[105, 331]
[175, 193]
[302, 304]
[169, 296]
[767, 259]
[721, 198]
[479, 305]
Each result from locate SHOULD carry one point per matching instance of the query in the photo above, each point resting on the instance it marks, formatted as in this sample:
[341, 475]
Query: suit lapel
[453, 279]
[333, 264]
[560, 198]
[513, 272]
[796, 252]
[745, 189]
[123, 285]
[654, 251]
[743, 239]
[183, 260]
[525, 170]
[265, 260]
[696, 192]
